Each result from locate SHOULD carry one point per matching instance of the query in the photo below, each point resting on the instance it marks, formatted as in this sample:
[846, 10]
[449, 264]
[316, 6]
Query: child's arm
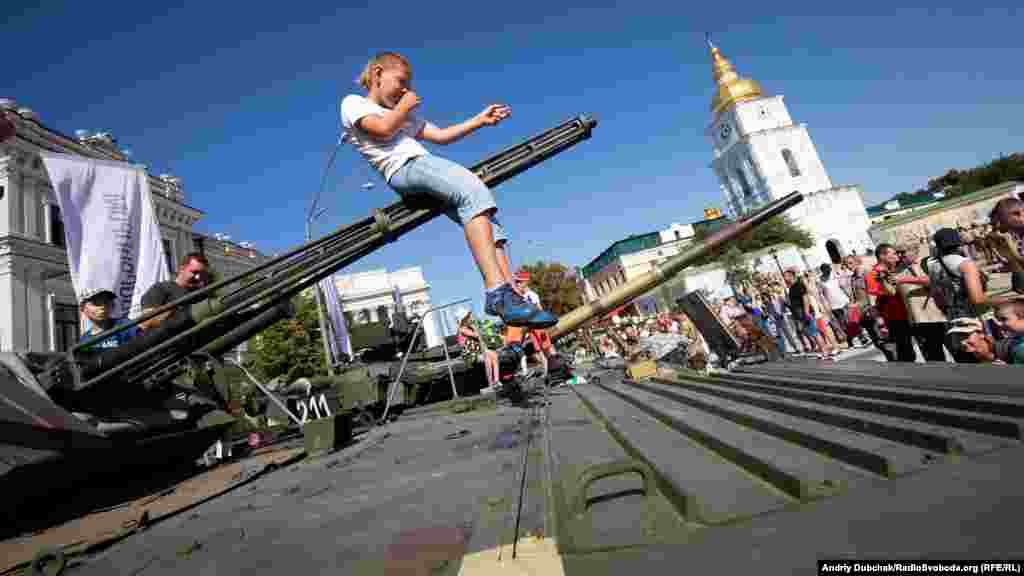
[383, 126]
[489, 117]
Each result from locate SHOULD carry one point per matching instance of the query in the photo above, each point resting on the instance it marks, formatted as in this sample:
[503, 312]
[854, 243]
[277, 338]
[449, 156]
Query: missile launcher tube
[247, 329]
[278, 280]
[664, 272]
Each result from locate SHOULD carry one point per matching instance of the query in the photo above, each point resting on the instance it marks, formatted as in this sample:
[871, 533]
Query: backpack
[949, 290]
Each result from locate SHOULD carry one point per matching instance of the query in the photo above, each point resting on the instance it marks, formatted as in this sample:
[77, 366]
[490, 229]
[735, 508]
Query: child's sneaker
[515, 311]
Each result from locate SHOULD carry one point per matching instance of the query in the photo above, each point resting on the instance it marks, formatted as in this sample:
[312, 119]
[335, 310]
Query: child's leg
[470, 203]
[467, 201]
[500, 248]
[480, 239]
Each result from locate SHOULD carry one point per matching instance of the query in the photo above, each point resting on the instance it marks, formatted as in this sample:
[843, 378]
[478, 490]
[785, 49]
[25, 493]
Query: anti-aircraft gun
[63, 407]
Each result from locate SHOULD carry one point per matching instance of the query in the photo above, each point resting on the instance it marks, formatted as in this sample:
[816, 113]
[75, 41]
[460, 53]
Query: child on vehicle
[382, 126]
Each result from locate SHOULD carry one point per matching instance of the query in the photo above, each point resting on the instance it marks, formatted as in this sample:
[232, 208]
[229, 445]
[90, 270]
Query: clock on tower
[725, 130]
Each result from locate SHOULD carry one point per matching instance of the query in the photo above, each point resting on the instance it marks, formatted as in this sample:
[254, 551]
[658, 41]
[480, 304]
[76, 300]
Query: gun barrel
[664, 272]
[250, 328]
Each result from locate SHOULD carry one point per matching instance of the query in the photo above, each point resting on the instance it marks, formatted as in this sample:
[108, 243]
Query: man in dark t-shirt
[193, 274]
[803, 314]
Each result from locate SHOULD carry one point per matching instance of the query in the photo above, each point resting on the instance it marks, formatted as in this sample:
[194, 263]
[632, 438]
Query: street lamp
[311, 216]
[775, 256]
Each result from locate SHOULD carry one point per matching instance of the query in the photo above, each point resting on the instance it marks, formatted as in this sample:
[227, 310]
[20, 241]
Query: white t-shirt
[532, 297]
[387, 156]
[837, 299]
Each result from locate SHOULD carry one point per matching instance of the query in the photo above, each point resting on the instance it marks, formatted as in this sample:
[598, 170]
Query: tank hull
[726, 474]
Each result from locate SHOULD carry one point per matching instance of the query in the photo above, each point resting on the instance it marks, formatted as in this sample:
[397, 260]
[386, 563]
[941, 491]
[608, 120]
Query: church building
[760, 154]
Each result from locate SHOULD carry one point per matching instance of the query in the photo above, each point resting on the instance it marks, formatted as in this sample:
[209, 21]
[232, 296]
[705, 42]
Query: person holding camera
[881, 283]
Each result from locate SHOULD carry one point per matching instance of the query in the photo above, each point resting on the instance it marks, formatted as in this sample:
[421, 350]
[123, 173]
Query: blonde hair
[384, 59]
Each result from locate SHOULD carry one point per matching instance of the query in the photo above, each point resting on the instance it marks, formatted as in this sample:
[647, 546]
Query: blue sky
[241, 102]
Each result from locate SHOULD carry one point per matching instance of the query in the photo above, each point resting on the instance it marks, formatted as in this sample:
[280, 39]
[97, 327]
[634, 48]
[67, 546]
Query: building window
[787, 155]
[56, 226]
[744, 184]
[67, 328]
[677, 235]
[168, 255]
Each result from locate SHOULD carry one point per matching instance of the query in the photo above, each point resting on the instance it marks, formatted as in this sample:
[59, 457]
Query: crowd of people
[935, 306]
[608, 337]
[902, 303]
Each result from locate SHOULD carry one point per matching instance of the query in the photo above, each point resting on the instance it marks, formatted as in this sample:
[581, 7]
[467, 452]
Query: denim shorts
[462, 193]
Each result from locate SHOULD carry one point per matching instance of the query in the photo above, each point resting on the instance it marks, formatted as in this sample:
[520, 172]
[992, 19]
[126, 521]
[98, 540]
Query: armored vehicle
[87, 415]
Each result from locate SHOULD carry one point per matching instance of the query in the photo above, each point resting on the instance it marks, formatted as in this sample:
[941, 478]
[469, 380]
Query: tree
[737, 269]
[955, 182]
[556, 285]
[292, 348]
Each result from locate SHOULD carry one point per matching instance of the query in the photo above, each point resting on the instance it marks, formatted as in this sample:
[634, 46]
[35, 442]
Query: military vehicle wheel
[363, 419]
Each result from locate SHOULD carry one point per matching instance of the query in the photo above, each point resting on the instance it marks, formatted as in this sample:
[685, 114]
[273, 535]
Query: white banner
[396, 296]
[110, 227]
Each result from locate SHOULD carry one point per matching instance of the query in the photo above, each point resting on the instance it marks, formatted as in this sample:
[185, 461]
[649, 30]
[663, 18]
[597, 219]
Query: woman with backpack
[958, 287]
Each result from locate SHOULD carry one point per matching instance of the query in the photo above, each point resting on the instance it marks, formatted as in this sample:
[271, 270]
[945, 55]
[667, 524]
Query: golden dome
[731, 88]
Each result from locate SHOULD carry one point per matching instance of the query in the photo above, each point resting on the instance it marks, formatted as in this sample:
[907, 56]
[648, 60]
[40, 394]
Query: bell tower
[760, 154]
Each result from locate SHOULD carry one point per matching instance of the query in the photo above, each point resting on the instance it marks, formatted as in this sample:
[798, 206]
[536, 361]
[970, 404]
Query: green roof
[904, 204]
[640, 242]
[948, 203]
[621, 248]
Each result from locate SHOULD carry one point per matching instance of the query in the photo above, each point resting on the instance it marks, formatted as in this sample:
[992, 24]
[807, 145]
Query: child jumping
[382, 126]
